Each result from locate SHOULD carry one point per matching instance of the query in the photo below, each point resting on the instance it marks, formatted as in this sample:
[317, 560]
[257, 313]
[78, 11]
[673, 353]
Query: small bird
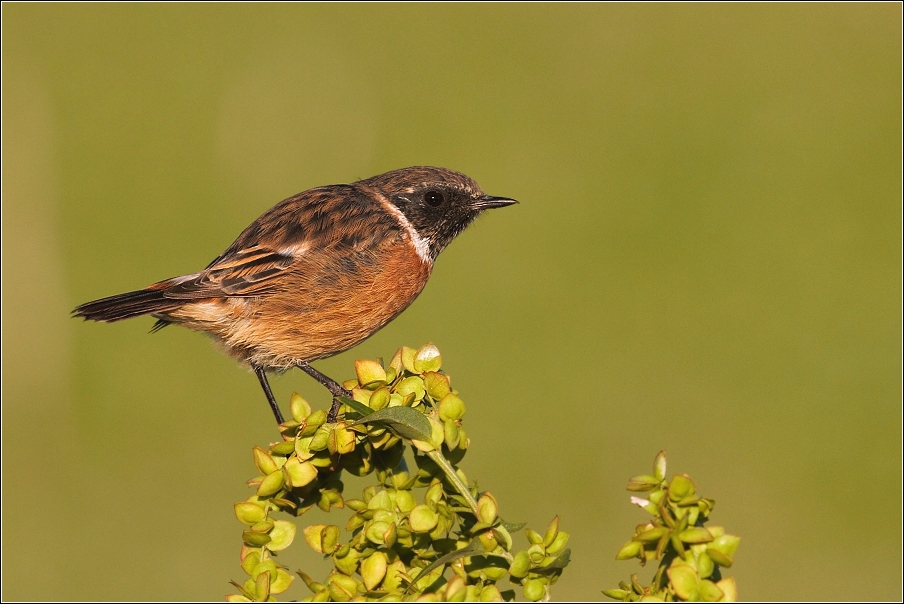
[317, 273]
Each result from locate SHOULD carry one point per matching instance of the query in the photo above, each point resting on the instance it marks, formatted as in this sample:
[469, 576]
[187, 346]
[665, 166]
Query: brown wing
[317, 231]
[248, 272]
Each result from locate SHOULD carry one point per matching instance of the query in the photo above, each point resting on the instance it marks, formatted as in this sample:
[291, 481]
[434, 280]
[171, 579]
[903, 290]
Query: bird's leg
[333, 386]
[262, 376]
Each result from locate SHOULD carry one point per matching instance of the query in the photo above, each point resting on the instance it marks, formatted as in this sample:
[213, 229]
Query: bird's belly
[313, 318]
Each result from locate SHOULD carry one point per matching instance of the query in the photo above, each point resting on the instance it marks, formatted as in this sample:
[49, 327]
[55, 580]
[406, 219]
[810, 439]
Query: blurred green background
[706, 259]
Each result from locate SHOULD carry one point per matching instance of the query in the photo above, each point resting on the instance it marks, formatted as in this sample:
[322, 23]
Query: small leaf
[282, 535]
[487, 508]
[313, 536]
[376, 532]
[437, 384]
[729, 589]
[262, 587]
[451, 407]
[282, 582]
[249, 597]
[379, 398]
[685, 581]
[361, 408]
[558, 543]
[299, 407]
[644, 482]
[719, 558]
[408, 355]
[411, 386]
[330, 538]
[369, 372]
[726, 544]
[271, 484]
[705, 565]
[286, 447]
[710, 592]
[512, 527]
[629, 550]
[520, 565]
[681, 488]
[342, 587]
[695, 534]
[301, 473]
[373, 569]
[456, 590]
[255, 539]
[472, 549]
[249, 513]
[251, 560]
[551, 531]
[264, 462]
[615, 594]
[422, 519]
[534, 590]
[427, 358]
[652, 535]
[406, 422]
[659, 466]
[560, 561]
[313, 585]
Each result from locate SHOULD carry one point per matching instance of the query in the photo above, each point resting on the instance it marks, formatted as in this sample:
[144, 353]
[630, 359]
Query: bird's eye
[434, 198]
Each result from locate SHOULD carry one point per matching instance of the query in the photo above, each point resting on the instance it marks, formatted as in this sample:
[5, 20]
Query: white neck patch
[421, 245]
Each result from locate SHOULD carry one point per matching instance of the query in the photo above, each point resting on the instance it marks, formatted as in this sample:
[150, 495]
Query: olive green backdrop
[706, 259]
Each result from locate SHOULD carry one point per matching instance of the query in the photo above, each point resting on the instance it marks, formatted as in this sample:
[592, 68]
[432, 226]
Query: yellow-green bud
[373, 569]
[299, 407]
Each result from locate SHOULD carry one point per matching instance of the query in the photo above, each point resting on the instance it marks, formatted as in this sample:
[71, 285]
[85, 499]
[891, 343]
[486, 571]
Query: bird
[316, 274]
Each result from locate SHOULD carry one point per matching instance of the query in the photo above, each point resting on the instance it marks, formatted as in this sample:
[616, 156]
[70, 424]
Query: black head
[439, 203]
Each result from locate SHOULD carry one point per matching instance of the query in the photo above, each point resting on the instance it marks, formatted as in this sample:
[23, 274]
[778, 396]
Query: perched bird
[317, 273]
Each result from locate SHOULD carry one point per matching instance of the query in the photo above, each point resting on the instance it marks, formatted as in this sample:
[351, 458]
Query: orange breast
[324, 305]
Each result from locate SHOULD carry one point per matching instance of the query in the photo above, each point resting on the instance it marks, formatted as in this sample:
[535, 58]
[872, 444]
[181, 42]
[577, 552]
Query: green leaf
[422, 519]
[512, 527]
[695, 534]
[561, 561]
[615, 594]
[534, 590]
[472, 549]
[659, 465]
[726, 544]
[404, 421]
[685, 581]
[271, 484]
[287, 447]
[428, 358]
[249, 513]
[255, 539]
[644, 482]
[361, 408]
[520, 565]
[629, 550]
[282, 535]
[244, 591]
[681, 488]
[710, 592]
[373, 569]
[299, 407]
[281, 582]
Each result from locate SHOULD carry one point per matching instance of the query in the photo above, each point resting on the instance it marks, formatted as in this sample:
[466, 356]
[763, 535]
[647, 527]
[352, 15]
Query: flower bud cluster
[690, 554]
[427, 535]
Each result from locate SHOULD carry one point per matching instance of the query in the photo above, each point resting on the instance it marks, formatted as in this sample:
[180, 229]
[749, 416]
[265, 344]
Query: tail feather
[126, 306]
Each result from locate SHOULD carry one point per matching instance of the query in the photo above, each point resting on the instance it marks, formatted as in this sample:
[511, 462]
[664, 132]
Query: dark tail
[126, 306]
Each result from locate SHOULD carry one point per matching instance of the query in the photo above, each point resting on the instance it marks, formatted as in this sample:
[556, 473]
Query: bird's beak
[488, 201]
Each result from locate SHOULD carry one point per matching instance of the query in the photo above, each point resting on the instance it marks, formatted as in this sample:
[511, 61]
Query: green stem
[437, 456]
